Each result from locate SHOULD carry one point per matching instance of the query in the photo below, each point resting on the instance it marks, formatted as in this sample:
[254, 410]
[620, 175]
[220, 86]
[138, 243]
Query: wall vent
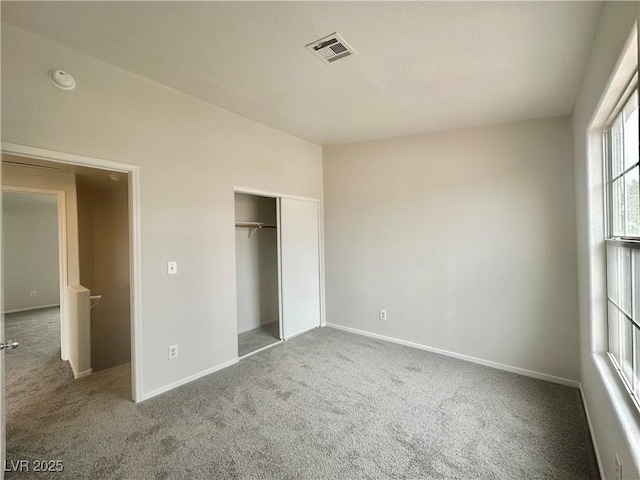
[331, 48]
[29, 165]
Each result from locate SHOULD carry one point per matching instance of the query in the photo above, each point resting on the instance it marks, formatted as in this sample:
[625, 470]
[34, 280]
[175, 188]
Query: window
[623, 240]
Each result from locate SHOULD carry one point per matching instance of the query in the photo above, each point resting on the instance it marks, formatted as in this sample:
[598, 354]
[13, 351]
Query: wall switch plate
[618, 469]
[173, 352]
[32, 293]
[382, 314]
[172, 268]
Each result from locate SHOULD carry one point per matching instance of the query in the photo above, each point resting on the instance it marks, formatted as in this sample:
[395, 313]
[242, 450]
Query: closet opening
[257, 273]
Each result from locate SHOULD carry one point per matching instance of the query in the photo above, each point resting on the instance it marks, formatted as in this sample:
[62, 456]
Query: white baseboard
[77, 374]
[32, 308]
[278, 342]
[460, 356]
[190, 378]
[593, 434]
[86, 373]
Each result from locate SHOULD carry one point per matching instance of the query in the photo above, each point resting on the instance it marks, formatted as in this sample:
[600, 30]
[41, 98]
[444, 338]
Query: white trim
[64, 272]
[189, 379]
[18, 310]
[467, 358]
[625, 68]
[323, 320]
[277, 342]
[262, 193]
[135, 247]
[607, 381]
[62, 157]
[323, 303]
[63, 266]
[624, 408]
[592, 432]
[279, 251]
[86, 373]
[135, 243]
[77, 374]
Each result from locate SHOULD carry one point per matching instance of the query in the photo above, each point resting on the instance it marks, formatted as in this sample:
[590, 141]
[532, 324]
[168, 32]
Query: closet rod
[254, 226]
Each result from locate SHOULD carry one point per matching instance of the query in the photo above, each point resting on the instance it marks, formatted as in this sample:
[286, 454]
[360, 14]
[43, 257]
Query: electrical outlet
[32, 293]
[172, 268]
[173, 352]
[382, 314]
[618, 469]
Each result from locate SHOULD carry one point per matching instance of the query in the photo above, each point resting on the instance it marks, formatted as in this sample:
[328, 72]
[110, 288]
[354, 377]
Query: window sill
[624, 407]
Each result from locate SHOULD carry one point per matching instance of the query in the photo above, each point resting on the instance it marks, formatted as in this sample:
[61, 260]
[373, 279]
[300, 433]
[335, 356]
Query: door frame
[135, 246]
[278, 196]
[62, 255]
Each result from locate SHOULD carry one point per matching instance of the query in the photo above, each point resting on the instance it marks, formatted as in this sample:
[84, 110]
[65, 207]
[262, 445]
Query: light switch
[172, 268]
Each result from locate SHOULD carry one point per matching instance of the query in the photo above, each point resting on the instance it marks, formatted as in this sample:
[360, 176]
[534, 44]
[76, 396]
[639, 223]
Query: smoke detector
[331, 48]
[62, 79]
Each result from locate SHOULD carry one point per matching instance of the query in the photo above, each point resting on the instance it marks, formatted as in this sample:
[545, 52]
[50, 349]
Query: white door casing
[3, 434]
[133, 172]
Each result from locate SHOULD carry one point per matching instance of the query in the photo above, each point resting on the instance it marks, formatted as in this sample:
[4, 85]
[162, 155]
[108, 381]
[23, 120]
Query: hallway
[41, 394]
[34, 369]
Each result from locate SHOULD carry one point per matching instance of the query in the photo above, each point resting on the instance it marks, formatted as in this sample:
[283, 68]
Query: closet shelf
[254, 226]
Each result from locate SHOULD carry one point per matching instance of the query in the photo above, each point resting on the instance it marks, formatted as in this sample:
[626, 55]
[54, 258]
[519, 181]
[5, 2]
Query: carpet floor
[34, 369]
[324, 405]
[258, 338]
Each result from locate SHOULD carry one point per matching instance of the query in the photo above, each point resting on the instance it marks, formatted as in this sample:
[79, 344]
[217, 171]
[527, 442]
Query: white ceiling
[420, 66]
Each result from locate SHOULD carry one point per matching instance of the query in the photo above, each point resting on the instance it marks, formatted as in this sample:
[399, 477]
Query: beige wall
[191, 155]
[30, 249]
[103, 220]
[466, 238]
[256, 263]
[16, 176]
[616, 423]
[51, 180]
[254, 208]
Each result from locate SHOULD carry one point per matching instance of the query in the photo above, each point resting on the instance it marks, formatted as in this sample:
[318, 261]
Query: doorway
[278, 284]
[22, 166]
[257, 278]
[96, 298]
[78, 275]
[103, 246]
[33, 280]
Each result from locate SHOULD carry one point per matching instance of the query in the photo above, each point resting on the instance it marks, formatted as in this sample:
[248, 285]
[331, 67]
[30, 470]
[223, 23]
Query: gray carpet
[258, 338]
[324, 405]
[35, 367]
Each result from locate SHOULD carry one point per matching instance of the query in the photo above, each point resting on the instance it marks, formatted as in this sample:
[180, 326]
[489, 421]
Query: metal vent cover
[29, 165]
[331, 48]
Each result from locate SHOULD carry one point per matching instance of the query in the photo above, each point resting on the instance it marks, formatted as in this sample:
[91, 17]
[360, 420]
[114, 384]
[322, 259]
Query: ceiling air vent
[331, 48]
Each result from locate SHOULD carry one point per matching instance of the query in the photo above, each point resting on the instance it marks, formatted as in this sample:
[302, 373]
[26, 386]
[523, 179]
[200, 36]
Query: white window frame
[632, 243]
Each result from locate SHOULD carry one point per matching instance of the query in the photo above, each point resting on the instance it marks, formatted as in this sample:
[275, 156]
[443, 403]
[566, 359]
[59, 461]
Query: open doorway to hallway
[76, 341]
[103, 244]
[32, 296]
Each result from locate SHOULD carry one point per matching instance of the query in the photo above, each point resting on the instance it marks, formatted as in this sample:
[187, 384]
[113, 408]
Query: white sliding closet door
[300, 265]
